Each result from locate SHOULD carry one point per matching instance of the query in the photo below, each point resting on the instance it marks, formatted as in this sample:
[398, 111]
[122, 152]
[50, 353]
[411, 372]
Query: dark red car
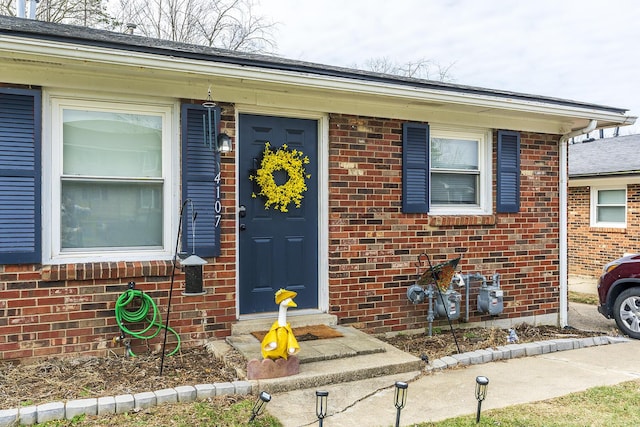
[619, 294]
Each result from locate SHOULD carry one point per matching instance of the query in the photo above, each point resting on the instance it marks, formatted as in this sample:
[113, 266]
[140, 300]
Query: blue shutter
[415, 168]
[508, 176]
[199, 170]
[20, 176]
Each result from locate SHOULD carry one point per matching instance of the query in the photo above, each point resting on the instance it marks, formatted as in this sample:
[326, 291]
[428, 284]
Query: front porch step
[352, 343]
[318, 374]
[354, 356]
[245, 327]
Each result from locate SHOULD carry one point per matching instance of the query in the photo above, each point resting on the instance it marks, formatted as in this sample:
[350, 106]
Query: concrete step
[244, 327]
[354, 356]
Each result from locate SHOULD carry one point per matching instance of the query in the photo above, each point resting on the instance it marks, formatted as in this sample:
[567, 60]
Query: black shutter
[20, 176]
[508, 175]
[415, 168]
[199, 169]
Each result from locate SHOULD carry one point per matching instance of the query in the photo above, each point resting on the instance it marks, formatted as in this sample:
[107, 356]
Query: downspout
[564, 254]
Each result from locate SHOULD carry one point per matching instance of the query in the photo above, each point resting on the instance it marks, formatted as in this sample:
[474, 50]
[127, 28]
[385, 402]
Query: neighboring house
[102, 141]
[603, 203]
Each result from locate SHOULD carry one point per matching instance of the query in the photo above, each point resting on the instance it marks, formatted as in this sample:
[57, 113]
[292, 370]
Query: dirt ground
[56, 379]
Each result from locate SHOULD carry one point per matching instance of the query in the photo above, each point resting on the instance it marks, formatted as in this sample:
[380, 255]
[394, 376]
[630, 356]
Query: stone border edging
[30, 415]
[123, 403]
[512, 351]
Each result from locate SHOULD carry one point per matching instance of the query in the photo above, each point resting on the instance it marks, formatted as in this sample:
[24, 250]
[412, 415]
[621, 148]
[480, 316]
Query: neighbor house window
[609, 207]
[111, 178]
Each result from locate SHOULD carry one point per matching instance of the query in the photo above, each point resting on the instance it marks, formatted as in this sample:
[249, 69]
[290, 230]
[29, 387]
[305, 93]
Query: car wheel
[626, 312]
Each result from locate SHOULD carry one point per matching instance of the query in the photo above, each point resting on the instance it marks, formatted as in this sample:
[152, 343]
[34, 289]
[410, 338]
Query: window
[459, 169]
[111, 179]
[609, 207]
[455, 172]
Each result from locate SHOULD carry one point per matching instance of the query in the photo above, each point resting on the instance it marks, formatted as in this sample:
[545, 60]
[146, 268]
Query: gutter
[564, 185]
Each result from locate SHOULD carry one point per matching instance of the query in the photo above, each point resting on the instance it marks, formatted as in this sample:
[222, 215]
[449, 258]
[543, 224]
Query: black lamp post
[258, 407]
[321, 405]
[400, 399]
[481, 392]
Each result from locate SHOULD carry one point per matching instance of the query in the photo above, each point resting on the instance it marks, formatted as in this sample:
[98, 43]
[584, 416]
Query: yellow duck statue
[280, 342]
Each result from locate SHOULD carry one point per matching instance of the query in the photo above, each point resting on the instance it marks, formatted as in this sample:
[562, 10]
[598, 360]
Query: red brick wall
[69, 309]
[373, 249]
[590, 248]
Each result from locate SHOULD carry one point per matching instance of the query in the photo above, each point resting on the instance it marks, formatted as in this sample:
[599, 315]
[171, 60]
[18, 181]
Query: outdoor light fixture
[224, 143]
[321, 405]
[260, 404]
[400, 399]
[481, 392]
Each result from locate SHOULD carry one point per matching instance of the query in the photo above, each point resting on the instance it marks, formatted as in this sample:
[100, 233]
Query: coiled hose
[146, 312]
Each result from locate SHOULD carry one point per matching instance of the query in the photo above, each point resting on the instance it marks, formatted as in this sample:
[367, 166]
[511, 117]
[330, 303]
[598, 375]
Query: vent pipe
[21, 8]
[32, 8]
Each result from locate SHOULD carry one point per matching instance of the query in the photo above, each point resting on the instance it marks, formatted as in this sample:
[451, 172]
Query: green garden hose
[146, 312]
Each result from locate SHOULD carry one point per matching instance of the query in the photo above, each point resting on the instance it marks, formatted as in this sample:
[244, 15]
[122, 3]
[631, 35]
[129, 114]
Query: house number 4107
[218, 205]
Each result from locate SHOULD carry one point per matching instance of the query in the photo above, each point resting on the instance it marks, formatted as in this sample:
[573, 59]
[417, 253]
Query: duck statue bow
[279, 342]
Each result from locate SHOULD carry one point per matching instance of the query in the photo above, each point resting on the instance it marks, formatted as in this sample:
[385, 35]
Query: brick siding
[373, 250]
[590, 248]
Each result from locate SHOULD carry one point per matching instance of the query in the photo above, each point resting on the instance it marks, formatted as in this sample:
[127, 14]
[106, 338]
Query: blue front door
[276, 249]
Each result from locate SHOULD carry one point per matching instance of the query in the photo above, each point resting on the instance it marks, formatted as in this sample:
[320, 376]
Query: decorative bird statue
[280, 342]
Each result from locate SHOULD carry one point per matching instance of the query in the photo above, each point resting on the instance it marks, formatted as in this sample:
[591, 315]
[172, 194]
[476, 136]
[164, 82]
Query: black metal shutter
[508, 174]
[20, 176]
[199, 171]
[415, 168]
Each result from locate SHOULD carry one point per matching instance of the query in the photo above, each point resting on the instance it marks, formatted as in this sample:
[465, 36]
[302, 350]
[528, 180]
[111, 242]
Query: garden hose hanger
[134, 306]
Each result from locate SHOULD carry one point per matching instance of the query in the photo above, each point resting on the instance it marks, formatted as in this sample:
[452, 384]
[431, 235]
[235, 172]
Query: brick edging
[512, 351]
[29, 415]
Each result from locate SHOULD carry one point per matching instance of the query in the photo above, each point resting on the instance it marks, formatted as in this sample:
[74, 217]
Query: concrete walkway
[435, 394]
[450, 393]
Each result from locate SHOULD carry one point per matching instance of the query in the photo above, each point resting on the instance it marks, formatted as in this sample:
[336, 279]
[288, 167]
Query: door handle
[243, 227]
[242, 211]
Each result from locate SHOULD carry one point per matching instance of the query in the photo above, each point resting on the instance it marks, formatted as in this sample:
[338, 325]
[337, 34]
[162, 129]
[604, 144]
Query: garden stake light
[321, 405]
[481, 392]
[400, 399]
[258, 407]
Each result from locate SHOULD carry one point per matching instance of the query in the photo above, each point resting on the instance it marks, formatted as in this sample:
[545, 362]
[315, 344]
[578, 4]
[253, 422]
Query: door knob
[243, 227]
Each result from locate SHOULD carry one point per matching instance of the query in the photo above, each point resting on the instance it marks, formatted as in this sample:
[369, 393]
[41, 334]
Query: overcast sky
[583, 50]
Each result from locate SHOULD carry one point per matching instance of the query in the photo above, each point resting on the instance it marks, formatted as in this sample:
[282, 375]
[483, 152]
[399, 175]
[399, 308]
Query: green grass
[607, 406]
[583, 298]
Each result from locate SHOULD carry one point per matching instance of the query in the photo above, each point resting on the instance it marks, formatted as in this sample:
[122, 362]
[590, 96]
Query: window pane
[454, 189]
[611, 197]
[454, 154]
[611, 214]
[114, 215]
[111, 144]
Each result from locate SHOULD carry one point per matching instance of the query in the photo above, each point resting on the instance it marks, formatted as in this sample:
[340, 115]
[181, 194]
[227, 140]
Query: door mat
[307, 333]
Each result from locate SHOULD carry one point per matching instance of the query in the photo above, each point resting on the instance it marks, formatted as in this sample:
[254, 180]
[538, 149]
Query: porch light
[224, 143]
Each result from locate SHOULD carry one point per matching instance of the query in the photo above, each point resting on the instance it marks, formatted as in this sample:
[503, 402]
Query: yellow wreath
[290, 161]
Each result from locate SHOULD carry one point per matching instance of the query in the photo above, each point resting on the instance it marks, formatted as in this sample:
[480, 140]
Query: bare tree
[88, 13]
[229, 24]
[421, 68]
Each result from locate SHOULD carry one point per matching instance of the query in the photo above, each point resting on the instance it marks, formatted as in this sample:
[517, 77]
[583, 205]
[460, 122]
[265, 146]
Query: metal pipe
[564, 182]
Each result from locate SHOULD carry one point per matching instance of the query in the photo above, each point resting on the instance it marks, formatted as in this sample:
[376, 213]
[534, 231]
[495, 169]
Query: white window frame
[54, 104]
[594, 207]
[484, 138]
